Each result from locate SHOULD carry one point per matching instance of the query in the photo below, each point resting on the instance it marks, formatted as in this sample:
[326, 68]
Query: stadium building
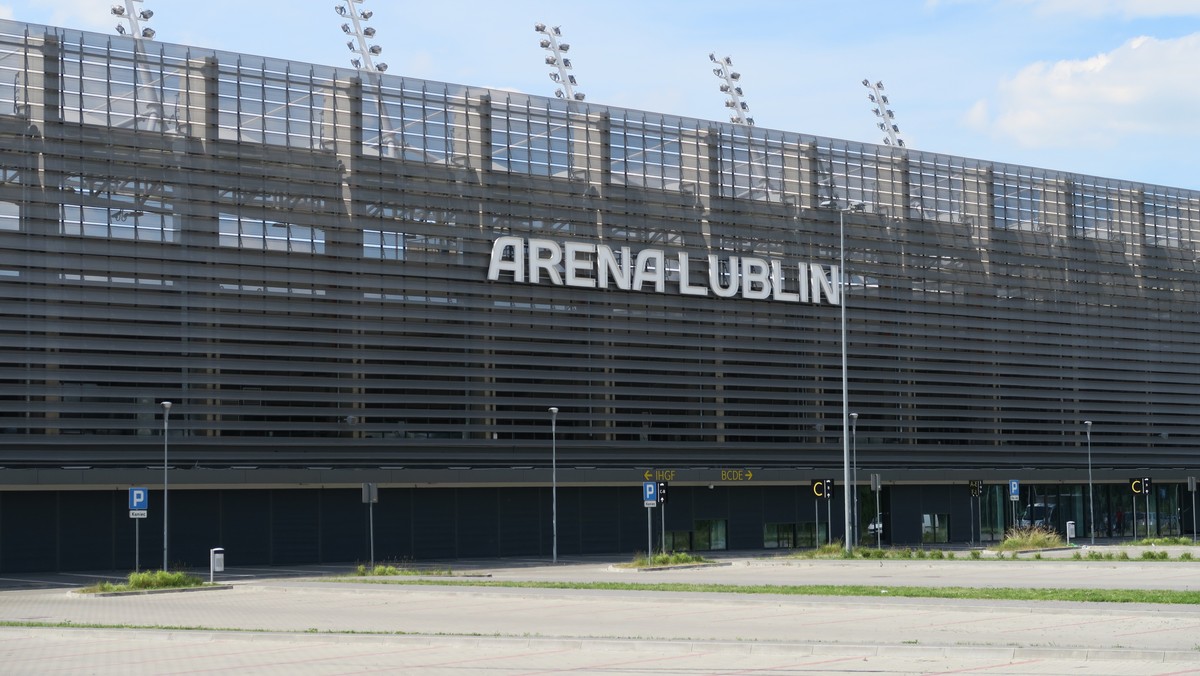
[340, 278]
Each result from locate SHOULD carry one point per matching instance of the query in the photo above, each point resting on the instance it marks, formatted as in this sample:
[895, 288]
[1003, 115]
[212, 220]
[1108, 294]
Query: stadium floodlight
[355, 29]
[885, 114]
[729, 87]
[132, 16]
[550, 43]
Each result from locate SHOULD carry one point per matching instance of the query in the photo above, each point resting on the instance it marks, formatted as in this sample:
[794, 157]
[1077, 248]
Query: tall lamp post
[854, 465]
[1087, 424]
[166, 426]
[842, 294]
[554, 481]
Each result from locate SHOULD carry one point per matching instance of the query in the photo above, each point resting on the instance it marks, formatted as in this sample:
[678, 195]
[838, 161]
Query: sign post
[1140, 485]
[976, 492]
[370, 495]
[662, 513]
[1192, 490]
[877, 486]
[139, 502]
[1014, 494]
[823, 490]
[650, 500]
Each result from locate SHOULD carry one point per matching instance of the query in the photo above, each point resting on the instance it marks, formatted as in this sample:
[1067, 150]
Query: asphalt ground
[296, 621]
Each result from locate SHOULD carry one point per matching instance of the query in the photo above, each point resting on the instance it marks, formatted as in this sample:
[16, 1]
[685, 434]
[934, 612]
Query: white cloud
[6, 12]
[1142, 88]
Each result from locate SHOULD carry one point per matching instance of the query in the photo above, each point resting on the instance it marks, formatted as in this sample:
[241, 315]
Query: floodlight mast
[731, 89]
[132, 15]
[886, 117]
[560, 75]
[360, 35]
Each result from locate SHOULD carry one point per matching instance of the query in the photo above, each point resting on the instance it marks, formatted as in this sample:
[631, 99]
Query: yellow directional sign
[736, 475]
[659, 475]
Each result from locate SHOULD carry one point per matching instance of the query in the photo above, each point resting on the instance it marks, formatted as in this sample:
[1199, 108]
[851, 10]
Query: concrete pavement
[314, 626]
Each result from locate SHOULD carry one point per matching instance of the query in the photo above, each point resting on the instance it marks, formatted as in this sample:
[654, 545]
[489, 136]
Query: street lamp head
[553, 410]
[854, 416]
[1088, 423]
[166, 406]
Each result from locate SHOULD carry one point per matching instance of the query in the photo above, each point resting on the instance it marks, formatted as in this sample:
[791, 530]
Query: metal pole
[816, 523]
[1147, 494]
[137, 545]
[554, 480]
[649, 537]
[662, 512]
[1091, 505]
[878, 521]
[971, 506]
[854, 464]
[1133, 501]
[845, 388]
[1193, 486]
[371, 513]
[166, 428]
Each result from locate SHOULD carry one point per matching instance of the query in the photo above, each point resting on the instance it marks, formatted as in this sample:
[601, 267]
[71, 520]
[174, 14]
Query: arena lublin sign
[597, 266]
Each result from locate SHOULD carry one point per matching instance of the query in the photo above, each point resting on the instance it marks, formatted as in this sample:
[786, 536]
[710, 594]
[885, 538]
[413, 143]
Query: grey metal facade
[297, 256]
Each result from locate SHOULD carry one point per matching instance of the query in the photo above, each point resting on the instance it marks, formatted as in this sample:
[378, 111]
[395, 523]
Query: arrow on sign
[749, 475]
[648, 475]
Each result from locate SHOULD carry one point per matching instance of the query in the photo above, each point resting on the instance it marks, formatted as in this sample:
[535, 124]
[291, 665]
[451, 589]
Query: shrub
[151, 579]
[640, 560]
[1024, 539]
[976, 554]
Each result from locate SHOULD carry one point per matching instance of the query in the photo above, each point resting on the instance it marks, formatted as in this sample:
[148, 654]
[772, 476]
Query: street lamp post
[842, 294]
[554, 481]
[1087, 424]
[166, 426]
[854, 466]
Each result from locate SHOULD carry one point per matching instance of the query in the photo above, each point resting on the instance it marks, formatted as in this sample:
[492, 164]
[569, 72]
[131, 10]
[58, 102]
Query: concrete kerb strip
[144, 592]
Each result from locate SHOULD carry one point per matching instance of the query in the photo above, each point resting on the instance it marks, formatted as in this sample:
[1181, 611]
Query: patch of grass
[1161, 596]
[1161, 542]
[640, 560]
[1186, 556]
[147, 580]
[1155, 556]
[388, 569]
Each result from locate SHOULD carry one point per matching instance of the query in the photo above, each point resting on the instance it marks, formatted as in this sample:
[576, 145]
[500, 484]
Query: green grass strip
[1161, 596]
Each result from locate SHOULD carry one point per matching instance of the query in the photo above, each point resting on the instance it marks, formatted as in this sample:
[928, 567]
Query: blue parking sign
[139, 498]
[1014, 489]
[649, 491]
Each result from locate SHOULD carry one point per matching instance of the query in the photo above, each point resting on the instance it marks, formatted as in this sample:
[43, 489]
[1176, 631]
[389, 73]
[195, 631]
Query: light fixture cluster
[729, 79]
[561, 63]
[361, 34]
[133, 16]
[886, 116]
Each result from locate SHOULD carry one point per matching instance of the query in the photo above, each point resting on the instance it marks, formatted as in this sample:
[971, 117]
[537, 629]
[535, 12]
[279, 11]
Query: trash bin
[1070, 530]
[216, 561]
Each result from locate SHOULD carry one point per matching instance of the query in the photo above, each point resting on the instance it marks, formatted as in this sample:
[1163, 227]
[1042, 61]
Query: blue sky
[1103, 87]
